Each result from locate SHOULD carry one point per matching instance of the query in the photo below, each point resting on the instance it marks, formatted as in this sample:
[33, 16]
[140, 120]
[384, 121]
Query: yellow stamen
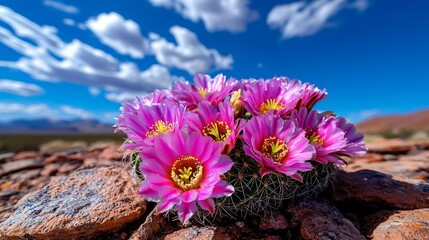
[274, 148]
[219, 131]
[202, 91]
[271, 104]
[313, 137]
[237, 103]
[159, 127]
[187, 172]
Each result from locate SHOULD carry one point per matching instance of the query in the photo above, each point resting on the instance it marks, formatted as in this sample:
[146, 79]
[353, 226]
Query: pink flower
[182, 170]
[216, 122]
[269, 97]
[205, 89]
[323, 132]
[142, 122]
[277, 145]
[309, 94]
[157, 97]
[355, 144]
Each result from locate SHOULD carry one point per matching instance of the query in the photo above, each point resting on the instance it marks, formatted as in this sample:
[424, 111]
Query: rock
[26, 155]
[405, 168]
[111, 153]
[19, 165]
[398, 225]
[50, 170]
[318, 219]
[370, 157]
[92, 162]
[199, 233]
[81, 204]
[6, 156]
[419, 156]
[379, 190]
[273, 221]
[59, 146]
[153, 224]
[64, 157]
[391, 146]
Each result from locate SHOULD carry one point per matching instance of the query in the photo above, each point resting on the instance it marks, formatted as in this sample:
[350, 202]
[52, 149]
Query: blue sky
[80, 59]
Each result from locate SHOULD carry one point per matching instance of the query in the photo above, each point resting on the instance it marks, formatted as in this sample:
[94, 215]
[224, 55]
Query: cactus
[255, 195]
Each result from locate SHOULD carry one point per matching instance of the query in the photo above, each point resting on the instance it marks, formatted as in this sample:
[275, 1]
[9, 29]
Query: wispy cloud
[19, 88]
[76, 112]
[227, 15]
[122, 35]
[302, 18]
[189, 54]
[47, 57]
[360, 116]
[61, 6]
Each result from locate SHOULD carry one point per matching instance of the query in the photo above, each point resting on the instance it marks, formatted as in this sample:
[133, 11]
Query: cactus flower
[323, 132]
[205, 89]
[269, 97]
[277, 145]
[182, 170]
[142, 122]
[216, 122]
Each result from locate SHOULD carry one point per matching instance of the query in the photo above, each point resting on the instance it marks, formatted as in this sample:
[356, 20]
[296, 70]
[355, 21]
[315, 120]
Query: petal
[186, 210]
[207, 204]
[147, 192]
[222, 189]
[265, 171]
[165, 205]
[189, 196]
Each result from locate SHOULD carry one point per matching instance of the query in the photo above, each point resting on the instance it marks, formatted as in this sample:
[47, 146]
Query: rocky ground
[85, 193]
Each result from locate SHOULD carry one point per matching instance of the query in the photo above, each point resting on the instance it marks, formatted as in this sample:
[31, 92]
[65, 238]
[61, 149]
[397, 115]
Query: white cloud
[228, 15]
[122, 96]
[69, 22]
[189, 54]
[19, 88]
[23, 108]
[122, 35]
[46, 57]
[76, 112]
[299, 19]
[94, 91]
[61, 6]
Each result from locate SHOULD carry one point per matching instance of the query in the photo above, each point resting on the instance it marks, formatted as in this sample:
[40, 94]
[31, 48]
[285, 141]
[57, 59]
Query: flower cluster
[184, 136]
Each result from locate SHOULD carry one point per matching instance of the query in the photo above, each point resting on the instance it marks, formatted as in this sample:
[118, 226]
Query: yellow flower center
[219, 131]
[159, 127]
[274, 148]
[236, 102]
[271, 104]
[313, 137]
[202, 91]
[187, 172]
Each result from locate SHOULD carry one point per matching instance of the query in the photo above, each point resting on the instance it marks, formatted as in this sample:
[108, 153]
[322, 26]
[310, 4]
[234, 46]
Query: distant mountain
[62, 126]
[413, 122]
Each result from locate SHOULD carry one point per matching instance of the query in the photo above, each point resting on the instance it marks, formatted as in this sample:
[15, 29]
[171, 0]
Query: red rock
[26, 155]
[111, 153]
[152, 225]
[420, 156]
[398, 225]
[404, 167]
[392, 146]
[63, 157]
[318, 219]
[19, 165]
[92, 162]
[380, 190]
[6, 156]
[50, 170]
[273, 221]
[68, 167]
[81, 204]
[371, 157]
[199, 233]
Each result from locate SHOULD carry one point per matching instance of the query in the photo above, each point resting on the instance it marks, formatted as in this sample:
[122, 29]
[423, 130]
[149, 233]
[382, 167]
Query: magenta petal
[297, 177]
[189, 196]
[186, 210]
[207, 204]
[165, 205]
[147, 192]
[222, 189]
[265, 171]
